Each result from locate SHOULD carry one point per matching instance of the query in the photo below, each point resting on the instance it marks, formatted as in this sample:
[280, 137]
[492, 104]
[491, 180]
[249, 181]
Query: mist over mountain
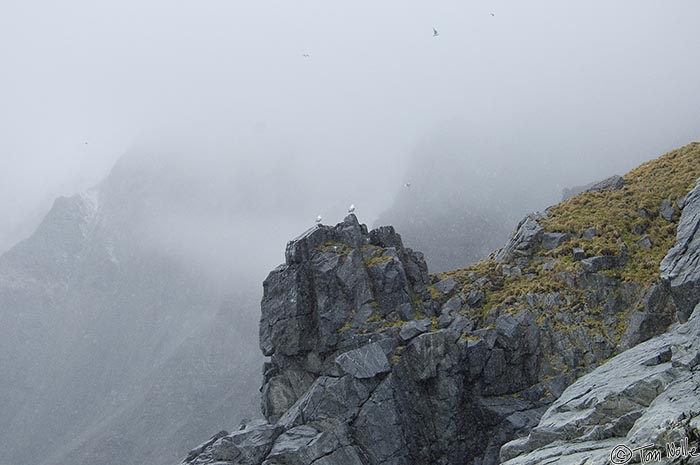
[465, 187]
[119, 303]
[158, 156]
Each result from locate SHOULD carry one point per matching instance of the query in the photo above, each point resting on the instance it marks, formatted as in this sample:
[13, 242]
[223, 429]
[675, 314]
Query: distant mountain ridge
[104, 332]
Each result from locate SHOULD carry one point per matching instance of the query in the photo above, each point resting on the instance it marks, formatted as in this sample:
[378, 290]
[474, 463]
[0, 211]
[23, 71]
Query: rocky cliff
[374, 361]
[646, 398]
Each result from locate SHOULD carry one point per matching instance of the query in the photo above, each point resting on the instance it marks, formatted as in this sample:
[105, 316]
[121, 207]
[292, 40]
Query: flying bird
[305, 55]
[407, 185]
[435, 32]
[318, 219]
[493, 14]
[351, 208]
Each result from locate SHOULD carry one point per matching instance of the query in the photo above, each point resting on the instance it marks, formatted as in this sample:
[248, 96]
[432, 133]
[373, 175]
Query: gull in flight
[407, 185]
[305, 55]
[351, 208]
[435, 32]
[318, 219]
[493, 14]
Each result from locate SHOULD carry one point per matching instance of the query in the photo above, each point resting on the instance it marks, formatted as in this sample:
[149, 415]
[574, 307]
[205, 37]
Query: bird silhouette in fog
[306, 55]
[318, 219]
[407, 185]
[493, 14]
[435, 32]
[351, 208]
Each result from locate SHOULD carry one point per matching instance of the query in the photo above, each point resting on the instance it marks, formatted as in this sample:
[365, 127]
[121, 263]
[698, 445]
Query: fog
[215, 131]
[586, 89]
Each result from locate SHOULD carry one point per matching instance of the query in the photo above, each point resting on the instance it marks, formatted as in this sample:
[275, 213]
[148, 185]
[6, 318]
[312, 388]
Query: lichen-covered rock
[681, 267]
[646, 395]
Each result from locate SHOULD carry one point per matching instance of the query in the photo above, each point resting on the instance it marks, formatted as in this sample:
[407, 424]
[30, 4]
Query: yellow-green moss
[346, 326]
[434, 293]
[374, 261]
[334, 247]
[434, 323]
[391, 324]
[615, 214]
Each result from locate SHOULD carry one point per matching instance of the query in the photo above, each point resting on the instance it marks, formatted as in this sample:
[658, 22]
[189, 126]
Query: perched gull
[435, 32]
[318, 219]
[351, 208]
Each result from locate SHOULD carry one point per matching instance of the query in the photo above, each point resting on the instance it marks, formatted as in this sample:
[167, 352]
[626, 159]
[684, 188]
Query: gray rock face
[646, 395]
[681, 267]
[552, 240]
[365, 362]
[525, 240]
[331, 275]
[413, 329]
[612, 183]
[602, 262]
[246, 447]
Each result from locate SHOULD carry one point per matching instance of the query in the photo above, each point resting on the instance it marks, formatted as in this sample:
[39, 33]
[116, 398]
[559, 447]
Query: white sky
[594, 86]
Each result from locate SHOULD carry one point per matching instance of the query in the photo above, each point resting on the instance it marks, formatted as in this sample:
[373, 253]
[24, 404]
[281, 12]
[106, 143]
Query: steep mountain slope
[373, 361]
[644, 401]
[106, 329]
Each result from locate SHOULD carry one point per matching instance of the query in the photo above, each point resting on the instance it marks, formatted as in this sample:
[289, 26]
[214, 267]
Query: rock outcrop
[363, 369]
[374, 361]
[681, 267]
[646, 397]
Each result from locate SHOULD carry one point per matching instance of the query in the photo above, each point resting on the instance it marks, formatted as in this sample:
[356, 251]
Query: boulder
[445, 286]
[365, 362]
[524, 242]
[645, 242]
[552, 240]
[414, 328]
[601, 263]
[612, 183]
[589, 233]
[666, 210]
